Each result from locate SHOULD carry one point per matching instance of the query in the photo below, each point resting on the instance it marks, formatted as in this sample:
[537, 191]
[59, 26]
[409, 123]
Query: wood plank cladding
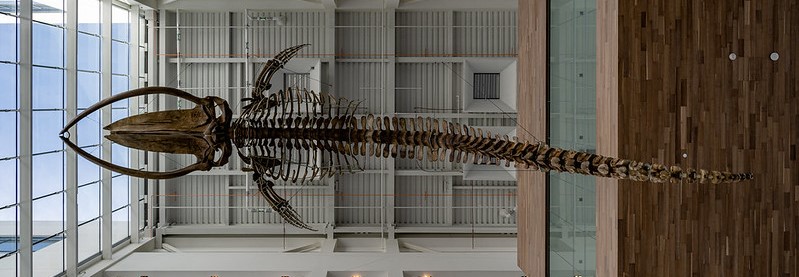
[531, 96]
[679, 93]
[607, 127]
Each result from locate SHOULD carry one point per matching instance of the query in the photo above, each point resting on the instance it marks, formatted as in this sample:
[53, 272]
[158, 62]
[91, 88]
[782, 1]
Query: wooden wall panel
[679, 93]
[532, 91]
[607, 210]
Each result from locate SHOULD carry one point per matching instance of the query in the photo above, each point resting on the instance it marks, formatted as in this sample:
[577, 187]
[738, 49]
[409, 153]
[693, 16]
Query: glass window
[48, 88]
[120, 229]
[8, 38]
[8, 229]
[48, 175]
[48, 215]
[120, 192]
[119, 83]
[48, 260]
[87, 171]
[88, 202]
[88, 239]
[572, 125]
[42, 242]
[88, 52]
[89, 131]
[119, 30]
[9, 7]
[119, 113]
[88, 89]
[119, 57]
[8, 91]
[8, 265]
[120, 154]
[8, 184]
[46, 125]
[89, 16]
[8, 135]
[48, 223]
[48, 42]
[49, 11]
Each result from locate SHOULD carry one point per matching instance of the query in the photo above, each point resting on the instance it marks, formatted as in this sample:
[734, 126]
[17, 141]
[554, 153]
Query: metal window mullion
[48, 24]
[25, 177]
[389, 93]
[330, 47]
[133, 107]
[71, 230]
[48, 67]
[152, 79]
[47, 195]
[9, 158]
[47, 152]
[9, 206]
[89, 183]
[162, 105]
[106, 245]
[89, 34]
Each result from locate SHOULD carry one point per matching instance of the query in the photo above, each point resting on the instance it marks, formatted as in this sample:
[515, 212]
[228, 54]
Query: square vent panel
[489, 85]
[297, 80]
[486, 86]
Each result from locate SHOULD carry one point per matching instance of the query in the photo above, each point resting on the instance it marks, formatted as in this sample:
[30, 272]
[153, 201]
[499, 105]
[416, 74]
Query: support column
[25, 268]
[105, 119]
[532, 94]
[167, 76]
[449, 77]
[388, 60]
[152, 79]
[330, 50]
[133, 108]
[71, 162]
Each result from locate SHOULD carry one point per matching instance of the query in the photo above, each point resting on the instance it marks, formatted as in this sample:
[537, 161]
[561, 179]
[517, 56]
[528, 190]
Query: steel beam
[277, 229]
[173, 264]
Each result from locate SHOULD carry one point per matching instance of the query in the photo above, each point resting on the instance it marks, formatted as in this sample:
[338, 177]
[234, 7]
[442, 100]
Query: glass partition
[572, 125]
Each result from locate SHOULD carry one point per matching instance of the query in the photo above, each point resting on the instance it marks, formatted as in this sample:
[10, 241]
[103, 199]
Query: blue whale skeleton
[285, 135]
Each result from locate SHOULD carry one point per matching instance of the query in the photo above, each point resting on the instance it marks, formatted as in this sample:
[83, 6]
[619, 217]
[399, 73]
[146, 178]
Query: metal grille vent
[297, 80]
[486, 86]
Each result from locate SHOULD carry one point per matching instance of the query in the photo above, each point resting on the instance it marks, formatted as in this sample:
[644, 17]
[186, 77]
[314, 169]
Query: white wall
[507, 85]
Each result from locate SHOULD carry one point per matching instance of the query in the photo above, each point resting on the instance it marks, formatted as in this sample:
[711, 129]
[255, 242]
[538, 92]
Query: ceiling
[238, 5]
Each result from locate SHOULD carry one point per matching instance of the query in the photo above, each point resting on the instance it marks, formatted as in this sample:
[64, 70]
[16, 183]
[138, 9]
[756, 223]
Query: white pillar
[133, 108]
[25, 133]
[388, 62]
[105, 114]
[330, 48]
[71, 181]
[152, 79]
